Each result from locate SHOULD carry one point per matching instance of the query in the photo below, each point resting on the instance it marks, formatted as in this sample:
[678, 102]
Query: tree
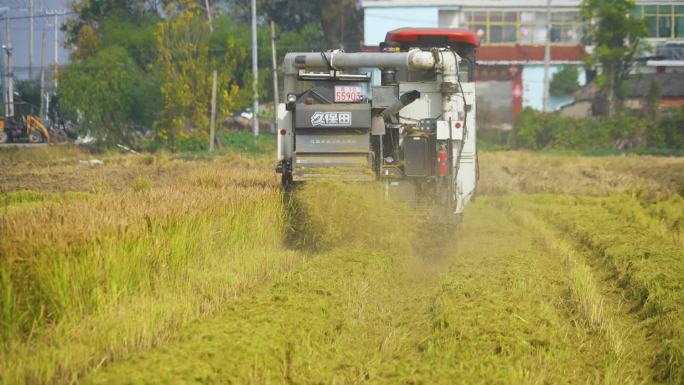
[108, 96]
[29, 93]
[187, 53]
[93, 13]
[136, 35]
[340, 22]
[103, 23]
[87, 43]
[650, 110]
[617, 36]
[564, 82]
[116, 36]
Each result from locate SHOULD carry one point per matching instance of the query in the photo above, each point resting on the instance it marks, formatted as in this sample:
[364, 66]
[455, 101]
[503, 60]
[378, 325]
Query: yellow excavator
[20, 128]
[17, 128]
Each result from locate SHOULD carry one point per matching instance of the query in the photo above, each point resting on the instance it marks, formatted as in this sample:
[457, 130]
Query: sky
[18, 12]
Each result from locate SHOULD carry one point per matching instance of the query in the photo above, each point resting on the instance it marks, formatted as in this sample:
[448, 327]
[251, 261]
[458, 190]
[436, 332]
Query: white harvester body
[416, 131]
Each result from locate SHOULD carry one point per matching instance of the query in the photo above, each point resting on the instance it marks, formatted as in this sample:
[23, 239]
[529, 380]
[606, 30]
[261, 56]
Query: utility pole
[55, 22]
[3, 74]
[10, 74]
[255, 71]
[43, 111]
[30, 16]
[547, 57]
[214, 76]
[276, 95]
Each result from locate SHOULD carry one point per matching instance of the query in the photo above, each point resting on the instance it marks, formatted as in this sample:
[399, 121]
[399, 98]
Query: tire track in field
[510, 314]
[494, 310]
[595, 303]
[629, 262]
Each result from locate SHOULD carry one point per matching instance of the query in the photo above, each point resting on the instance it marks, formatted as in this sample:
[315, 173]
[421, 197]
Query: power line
[41, 16]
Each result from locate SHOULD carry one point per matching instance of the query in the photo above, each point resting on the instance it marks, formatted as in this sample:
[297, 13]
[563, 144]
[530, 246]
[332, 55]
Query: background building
[510, 71]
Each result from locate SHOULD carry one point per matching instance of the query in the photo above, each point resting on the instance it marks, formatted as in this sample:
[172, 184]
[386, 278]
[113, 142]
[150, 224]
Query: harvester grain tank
[404, 115]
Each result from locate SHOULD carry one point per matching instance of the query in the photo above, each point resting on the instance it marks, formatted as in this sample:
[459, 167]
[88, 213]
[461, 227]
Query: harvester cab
[404, 115]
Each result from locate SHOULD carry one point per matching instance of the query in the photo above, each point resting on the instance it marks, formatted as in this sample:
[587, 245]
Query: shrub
[195, 141]
[564, 82]
[536, 130]
[247, 143]
[672, 128]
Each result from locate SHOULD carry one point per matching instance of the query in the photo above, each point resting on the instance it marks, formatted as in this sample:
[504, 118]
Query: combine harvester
[413, 128]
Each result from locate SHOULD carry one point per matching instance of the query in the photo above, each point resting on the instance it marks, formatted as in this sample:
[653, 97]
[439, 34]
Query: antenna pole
[4, 76]
[43, 109]
[30, 45]
[10, 74]
[55, 37]
[547, 57]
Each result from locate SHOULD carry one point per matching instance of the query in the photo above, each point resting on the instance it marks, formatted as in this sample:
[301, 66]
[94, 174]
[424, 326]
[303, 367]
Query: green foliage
[187, 54]
[305, 39]
[338, 23]
[229, 143]
[246, 143]
[491, 139]
[137, 37]
[652, 100]
[93, 13]
[108, 95]
[545, 131]
[197, 141]
[617, 35]
[672, 128]
[29, 93]
[564, 82]
[166, 63]
[22, 196]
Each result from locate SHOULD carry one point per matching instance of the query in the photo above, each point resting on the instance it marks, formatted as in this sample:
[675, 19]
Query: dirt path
[498, 308]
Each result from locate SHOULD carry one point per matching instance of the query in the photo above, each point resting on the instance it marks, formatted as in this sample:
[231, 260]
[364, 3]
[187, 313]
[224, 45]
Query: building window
[527, 27]
[494, 27]
[564, 27]
[663, 21]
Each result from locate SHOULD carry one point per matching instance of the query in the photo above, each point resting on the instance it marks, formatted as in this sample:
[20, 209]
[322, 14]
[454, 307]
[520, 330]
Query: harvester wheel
[3, 137]
[35, 137]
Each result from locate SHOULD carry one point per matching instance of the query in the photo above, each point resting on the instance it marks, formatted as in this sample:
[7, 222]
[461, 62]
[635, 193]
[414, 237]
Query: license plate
[348, 94]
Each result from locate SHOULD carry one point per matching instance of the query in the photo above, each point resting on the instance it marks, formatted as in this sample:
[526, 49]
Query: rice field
[153, 269]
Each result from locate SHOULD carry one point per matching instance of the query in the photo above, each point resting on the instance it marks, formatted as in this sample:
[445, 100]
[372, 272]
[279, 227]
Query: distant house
[637, 88]
[512, 33]
[671, 90]
[668, 57]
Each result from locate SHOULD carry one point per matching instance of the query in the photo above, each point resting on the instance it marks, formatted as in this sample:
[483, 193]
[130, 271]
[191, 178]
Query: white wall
[533, 87]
